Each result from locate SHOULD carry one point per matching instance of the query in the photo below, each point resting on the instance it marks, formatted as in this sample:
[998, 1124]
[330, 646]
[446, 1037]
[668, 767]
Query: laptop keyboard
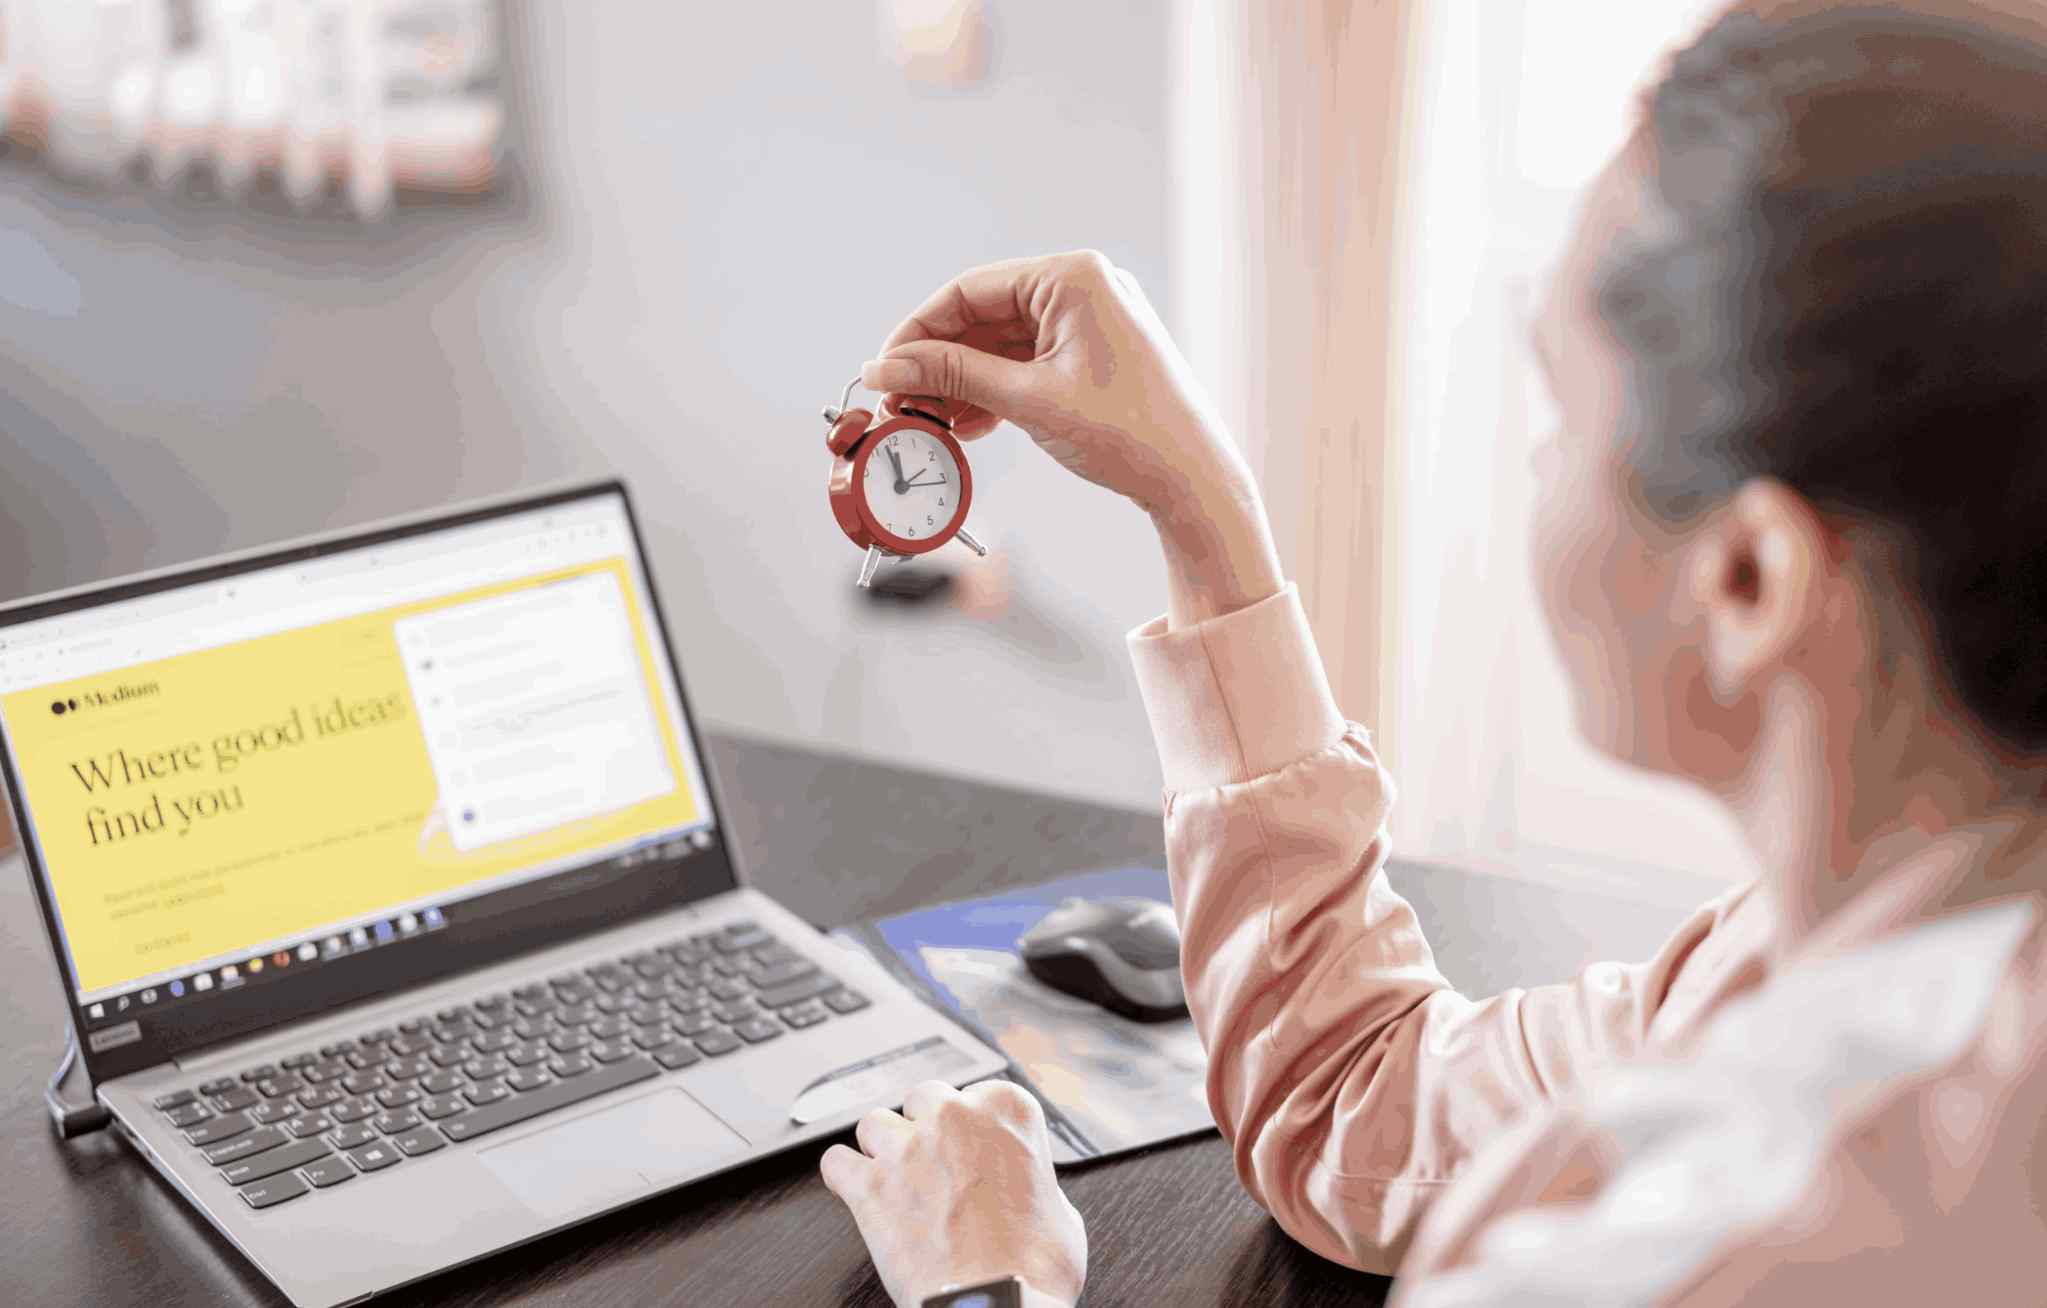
[316, 1119]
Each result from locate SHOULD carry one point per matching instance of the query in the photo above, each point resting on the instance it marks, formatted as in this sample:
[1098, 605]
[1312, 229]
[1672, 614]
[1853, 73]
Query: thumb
[953, 371]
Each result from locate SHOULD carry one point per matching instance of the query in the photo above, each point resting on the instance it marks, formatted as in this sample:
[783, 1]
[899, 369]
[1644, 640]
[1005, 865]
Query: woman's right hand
[1067, 348]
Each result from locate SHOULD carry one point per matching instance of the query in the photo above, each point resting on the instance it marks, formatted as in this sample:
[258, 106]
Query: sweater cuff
[1237, 696]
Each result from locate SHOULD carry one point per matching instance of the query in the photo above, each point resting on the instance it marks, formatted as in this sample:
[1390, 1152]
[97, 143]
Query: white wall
[727, 213]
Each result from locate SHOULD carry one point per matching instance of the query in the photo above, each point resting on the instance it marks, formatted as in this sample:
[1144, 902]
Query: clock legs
[966, 538]
[869, 564]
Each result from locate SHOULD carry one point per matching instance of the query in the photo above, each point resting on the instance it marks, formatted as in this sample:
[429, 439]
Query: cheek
[1602, 601]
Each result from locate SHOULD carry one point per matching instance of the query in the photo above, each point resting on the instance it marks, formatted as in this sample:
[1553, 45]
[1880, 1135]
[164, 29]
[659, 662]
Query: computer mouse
[1120, 952]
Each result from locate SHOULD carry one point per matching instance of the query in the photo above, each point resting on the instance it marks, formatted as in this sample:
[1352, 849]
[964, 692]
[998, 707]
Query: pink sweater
[1859, 1118]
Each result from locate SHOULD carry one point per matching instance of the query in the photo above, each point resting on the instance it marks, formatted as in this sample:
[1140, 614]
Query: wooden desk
[90, 1223]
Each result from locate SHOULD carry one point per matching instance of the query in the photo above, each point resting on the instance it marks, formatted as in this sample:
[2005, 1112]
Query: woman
[1793, 546]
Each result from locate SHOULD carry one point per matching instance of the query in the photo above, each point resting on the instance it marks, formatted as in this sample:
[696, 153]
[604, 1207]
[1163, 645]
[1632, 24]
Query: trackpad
[612, 1156]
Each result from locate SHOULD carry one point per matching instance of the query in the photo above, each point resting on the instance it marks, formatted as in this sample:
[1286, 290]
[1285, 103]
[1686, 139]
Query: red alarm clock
[901, 486]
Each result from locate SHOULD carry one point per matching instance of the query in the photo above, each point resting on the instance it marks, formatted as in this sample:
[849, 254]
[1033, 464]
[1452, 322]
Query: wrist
[1219, 552]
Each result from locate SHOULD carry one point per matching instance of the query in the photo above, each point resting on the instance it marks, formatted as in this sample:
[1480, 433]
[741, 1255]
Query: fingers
[846, 1172]
[1015, 1107]
[881, 1134]
[995, 294]
[1001, 386]
[925, 1099]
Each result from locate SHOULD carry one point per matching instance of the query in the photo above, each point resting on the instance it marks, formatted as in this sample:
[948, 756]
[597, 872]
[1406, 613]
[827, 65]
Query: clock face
[912, 485]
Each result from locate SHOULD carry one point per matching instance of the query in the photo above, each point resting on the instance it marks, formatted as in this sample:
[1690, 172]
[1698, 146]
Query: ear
[1759, 574]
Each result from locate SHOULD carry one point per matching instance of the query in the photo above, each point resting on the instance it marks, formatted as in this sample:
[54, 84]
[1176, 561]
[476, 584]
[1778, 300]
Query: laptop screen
[310, 768]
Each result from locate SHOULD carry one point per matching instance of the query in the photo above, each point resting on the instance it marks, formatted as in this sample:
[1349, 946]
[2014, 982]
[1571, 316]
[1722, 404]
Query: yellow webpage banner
[207, 803]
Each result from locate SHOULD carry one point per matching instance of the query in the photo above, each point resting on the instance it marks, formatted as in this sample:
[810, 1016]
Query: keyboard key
[809, 987]
[404, 1069]
[576, 1015]
[296, 1061]
[483, 1069]
[379, 1036]
[845, 1001]
[727, 988]
[494, 1043]
[528, 1078]
[653, 1037]
[736, 1011]
[561, 1094]
[219, 1085]
[412, 1025]
[448, 1055]
[242, 1146]
[731, 942]
[563, 1042]
[352, 1110]
[756, 1029]
[675, 1055]
[803, 1015]
[276, 1190]
[272, 1161]
[224, 1127]
[306, 1124]
[365, 1058]
[361, 1083]
[320, 1097]
[696, 1024]
[609, 1028]
[321, 1073]
[569, 1065]
[374, 1158]
[396, 1120]
[397, 1096]
[538, 990]
[422, 1141]
[783, 973]
[332, 1170]
[610, 1051]
[716, 1042]
[337, 1049]
[411, 1044]
[487, 1093]
[526, 1055]
[284, 1083]
[441, 1106]
[260, 1072]
[350, 1137]
[175, 1099]
[451, 1014]
[277, 1110]
[189, 1114]
[239, 1097]
[441, 1082]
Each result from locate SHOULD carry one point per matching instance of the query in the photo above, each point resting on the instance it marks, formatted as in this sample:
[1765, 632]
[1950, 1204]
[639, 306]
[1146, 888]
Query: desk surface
[91, 1223]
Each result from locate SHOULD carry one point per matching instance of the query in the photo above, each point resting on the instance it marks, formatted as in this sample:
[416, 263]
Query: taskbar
[331, 944]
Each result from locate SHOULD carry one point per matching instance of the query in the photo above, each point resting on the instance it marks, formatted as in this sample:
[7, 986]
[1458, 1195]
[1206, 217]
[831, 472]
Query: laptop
[388, 885]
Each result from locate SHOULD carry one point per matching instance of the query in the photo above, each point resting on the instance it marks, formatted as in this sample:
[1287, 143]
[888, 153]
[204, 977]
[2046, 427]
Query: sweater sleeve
[1351, 1081]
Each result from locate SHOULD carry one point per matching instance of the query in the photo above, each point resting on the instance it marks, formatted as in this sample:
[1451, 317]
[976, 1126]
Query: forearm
[1218, 547]
[1036, 1298]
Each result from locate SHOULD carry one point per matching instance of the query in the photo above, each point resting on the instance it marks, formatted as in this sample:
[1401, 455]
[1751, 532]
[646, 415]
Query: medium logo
[91, 699]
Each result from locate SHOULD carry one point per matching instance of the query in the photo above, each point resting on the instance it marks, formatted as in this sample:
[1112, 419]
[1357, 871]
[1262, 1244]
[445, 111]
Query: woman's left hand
[958, 1189]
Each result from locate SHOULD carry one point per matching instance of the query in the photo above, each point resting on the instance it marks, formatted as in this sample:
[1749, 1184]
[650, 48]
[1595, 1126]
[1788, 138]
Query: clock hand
[908, 484]
[901, 485]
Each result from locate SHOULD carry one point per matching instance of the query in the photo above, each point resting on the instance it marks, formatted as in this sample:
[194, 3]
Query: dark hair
[1840, 281]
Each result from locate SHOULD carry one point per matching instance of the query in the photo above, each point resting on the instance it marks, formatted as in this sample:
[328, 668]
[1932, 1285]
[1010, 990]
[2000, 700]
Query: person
[1792, 548]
